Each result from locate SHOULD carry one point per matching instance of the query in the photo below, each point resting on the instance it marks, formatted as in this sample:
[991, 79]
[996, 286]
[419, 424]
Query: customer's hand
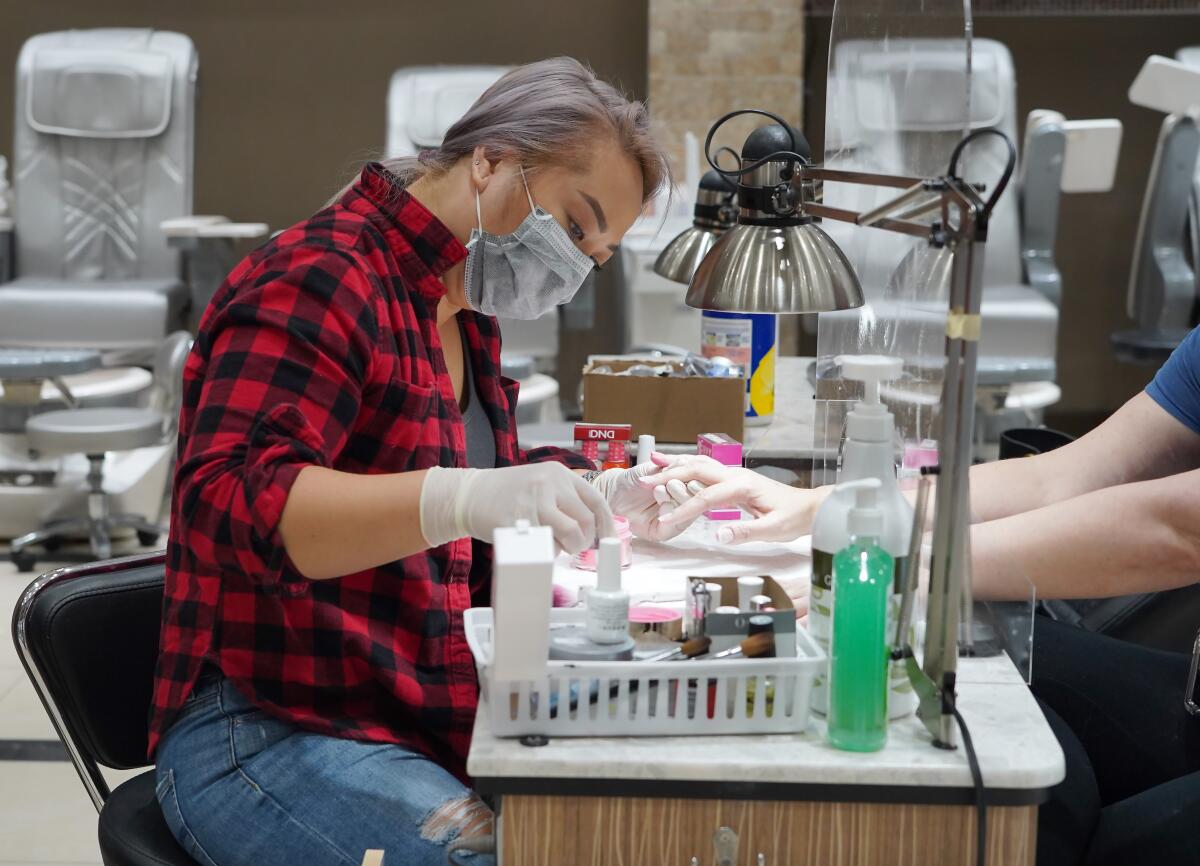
[698, 484]
[629, 497]
[476, 502]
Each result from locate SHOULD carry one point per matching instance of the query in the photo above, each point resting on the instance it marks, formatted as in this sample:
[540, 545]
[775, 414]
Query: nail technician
[1113, 513]
[347, 445]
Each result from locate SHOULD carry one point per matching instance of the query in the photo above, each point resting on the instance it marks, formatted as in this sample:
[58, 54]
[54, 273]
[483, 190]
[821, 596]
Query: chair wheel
[147, 539]
[53, 544]
[23, 560]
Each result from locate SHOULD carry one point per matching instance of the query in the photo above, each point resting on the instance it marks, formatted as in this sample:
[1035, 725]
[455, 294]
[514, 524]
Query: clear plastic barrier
[997, 629]
[899, 99]
[1006, 626]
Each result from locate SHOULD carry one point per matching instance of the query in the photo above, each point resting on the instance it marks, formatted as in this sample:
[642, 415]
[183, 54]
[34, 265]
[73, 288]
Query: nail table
[646, 801]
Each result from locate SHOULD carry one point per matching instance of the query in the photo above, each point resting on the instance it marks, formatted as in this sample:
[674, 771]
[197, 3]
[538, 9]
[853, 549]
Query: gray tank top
[481, 440]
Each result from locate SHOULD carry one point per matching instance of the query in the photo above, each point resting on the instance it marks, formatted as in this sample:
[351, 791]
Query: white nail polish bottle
[608, 603]
[646, 446]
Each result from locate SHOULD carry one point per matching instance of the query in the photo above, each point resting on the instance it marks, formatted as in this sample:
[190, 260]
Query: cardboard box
[728, 629]
[671, 408]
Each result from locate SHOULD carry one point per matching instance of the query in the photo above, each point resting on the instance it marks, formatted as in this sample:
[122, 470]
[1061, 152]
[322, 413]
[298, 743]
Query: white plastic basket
[637, 698]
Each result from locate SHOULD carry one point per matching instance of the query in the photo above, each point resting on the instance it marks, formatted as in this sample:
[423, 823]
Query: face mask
[524, 274]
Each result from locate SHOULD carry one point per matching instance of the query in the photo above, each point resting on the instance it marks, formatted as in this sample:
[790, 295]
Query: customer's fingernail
[724, 535]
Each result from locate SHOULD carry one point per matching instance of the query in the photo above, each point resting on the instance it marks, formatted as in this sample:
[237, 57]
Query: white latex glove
[698, 484]
[629, 497]
[476, 502]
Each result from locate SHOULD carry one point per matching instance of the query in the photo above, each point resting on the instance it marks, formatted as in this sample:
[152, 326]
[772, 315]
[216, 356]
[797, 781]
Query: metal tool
[910, 577]
[697, 607]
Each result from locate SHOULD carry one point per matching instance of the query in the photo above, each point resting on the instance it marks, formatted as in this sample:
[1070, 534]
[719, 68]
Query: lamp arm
[859, 178]
[914, 187]
[905, 227]
[942, 192]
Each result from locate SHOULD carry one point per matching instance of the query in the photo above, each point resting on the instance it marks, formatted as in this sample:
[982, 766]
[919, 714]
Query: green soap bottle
[858, 665]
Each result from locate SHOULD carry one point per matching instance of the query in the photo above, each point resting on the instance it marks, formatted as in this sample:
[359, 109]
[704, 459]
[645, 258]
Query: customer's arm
[1139, 442]
[1137, 537]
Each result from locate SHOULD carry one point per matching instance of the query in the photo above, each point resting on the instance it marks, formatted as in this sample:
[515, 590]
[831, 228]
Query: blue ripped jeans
[241, 788]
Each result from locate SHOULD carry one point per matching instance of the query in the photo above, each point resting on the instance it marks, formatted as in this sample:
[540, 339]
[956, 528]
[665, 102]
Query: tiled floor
[45, 814]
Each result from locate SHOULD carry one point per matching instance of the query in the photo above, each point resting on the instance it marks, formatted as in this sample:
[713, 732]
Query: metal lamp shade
[680, 258]
[775, 269]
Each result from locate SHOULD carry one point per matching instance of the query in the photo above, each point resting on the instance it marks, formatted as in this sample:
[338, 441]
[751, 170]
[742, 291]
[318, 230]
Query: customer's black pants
[1132, 790]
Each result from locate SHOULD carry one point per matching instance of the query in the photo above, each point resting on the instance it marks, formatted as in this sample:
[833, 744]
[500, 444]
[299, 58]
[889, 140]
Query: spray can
[748, 340]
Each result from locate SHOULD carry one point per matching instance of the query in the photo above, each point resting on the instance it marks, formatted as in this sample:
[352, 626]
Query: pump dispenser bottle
[868, 452]
[858, 672]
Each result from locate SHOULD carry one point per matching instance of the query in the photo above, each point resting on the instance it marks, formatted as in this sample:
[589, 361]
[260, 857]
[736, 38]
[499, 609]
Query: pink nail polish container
[918, 454]
[654, 627]
[726, 450]
[586, 559]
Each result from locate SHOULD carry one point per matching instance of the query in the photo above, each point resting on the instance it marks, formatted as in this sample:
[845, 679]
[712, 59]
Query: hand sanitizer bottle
[868, 452]
[858, 668]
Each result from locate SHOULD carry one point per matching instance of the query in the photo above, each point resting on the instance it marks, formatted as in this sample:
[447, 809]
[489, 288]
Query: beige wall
[292, 91]
[1082, 67]
[709, 57]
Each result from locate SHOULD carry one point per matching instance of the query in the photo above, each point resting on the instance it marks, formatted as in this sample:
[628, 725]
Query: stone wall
[708, 57]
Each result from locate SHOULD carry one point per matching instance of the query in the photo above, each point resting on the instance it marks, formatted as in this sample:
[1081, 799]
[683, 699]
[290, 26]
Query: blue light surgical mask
[524, 274]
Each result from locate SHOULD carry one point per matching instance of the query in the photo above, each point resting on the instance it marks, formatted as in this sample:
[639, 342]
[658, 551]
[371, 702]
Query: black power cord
[733, 174]
[1009, 165]
[980, 791]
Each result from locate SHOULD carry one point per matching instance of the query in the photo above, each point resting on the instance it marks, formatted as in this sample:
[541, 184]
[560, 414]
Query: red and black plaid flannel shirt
[322, 348]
